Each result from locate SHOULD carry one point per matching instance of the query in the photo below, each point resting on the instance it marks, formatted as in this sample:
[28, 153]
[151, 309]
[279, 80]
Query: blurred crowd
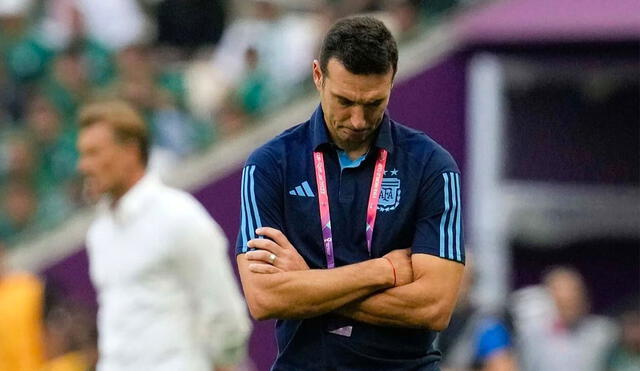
[200, 70]
[548, 326]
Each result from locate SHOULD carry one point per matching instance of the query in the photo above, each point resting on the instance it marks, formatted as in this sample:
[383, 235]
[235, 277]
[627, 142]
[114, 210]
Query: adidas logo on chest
[302, 190]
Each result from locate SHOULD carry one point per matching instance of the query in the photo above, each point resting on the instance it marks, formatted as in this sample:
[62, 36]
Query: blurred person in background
[346, 8]
[7, 98]
[18, 200]
[167, 296]
[21, 317]
[555, 329]
[114, 23]
[68, 86]
[18, 159]
[24, 55]
[405, 15]
[63, 28]
[625, 356]
[284, 42]
[70, 338]
[246, 101]
[29, 201]
[19, 203]
[53, 142]
[475, 340]
[251, 92]
[111, 25]
[13, 31]
[190, 24]
[159, 95]
[19, 210]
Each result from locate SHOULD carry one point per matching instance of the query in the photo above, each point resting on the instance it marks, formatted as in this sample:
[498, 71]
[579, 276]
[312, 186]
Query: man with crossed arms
[351, 232]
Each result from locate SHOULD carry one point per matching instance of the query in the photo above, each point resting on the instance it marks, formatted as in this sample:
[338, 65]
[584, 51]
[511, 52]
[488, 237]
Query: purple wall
[521, 21]
[432, 101]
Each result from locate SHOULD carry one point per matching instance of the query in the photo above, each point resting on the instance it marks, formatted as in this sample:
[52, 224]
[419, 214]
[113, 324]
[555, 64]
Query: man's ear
[317, 75]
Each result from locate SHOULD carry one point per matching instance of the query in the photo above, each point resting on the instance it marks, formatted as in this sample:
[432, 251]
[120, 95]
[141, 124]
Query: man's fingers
[264, 244]
[275, 235]
[259, 256]
[263, 268]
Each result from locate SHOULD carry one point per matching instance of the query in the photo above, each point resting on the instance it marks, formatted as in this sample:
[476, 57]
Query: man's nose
[82, 166]
[357, 117]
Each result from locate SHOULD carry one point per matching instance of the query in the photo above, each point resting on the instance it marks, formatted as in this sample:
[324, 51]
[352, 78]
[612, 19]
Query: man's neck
[353, 151]
[119, 192]
[357, 153]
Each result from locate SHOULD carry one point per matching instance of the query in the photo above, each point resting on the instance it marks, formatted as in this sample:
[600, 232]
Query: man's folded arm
[313, 292]
[437, 260]
[427, 302]
[295, 294]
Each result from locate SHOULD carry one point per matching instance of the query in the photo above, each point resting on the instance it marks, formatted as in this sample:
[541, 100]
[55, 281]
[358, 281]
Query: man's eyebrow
[343, 98]
[372, 102]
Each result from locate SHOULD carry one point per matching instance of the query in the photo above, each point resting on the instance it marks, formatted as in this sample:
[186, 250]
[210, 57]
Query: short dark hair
[362, 44]
[127, 123]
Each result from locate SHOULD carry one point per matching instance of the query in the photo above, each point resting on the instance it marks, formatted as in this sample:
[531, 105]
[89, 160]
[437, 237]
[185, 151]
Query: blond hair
[127, 123]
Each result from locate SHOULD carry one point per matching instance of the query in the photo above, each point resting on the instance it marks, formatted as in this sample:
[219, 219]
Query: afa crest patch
[389, 194]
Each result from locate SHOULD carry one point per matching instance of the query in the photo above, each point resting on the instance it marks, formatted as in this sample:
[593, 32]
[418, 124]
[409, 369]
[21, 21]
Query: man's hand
[401, 260]
[288, 259]
[274, 254]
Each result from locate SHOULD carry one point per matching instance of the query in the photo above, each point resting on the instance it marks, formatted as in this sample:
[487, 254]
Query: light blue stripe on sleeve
[453, 213]
[444, 213]
[245, 190]
[253, 199]
[458, 218]
[243, 222]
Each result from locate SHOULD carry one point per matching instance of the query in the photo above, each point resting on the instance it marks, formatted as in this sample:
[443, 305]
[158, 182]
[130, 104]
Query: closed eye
[345, 102]
[374, 104]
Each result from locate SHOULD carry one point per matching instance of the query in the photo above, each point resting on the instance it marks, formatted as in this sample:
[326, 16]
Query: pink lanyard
[323, 202]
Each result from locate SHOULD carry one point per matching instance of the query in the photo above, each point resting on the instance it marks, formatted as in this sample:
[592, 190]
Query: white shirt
[114, 23]
[543, 345]
[167, 296]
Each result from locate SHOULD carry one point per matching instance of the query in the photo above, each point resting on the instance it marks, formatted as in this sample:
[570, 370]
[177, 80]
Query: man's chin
[90, 194]
[354, 141]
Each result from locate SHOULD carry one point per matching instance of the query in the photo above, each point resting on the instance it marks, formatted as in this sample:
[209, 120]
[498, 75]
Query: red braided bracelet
[394, 270]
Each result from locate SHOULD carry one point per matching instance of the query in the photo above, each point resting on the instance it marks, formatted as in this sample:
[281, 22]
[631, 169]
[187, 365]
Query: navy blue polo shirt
[419, 207]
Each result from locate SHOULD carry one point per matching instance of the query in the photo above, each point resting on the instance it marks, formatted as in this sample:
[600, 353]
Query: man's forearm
[393, 307]
[310, 293]
[426, 302]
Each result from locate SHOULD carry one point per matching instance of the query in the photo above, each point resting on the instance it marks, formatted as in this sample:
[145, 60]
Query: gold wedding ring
[272, 258]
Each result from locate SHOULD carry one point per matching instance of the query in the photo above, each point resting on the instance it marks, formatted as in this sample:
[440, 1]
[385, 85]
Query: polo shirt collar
[320, 135]
[132, 202]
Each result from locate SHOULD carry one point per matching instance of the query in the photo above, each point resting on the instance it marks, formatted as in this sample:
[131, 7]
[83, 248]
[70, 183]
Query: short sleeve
[260, 197]
[439, 228]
